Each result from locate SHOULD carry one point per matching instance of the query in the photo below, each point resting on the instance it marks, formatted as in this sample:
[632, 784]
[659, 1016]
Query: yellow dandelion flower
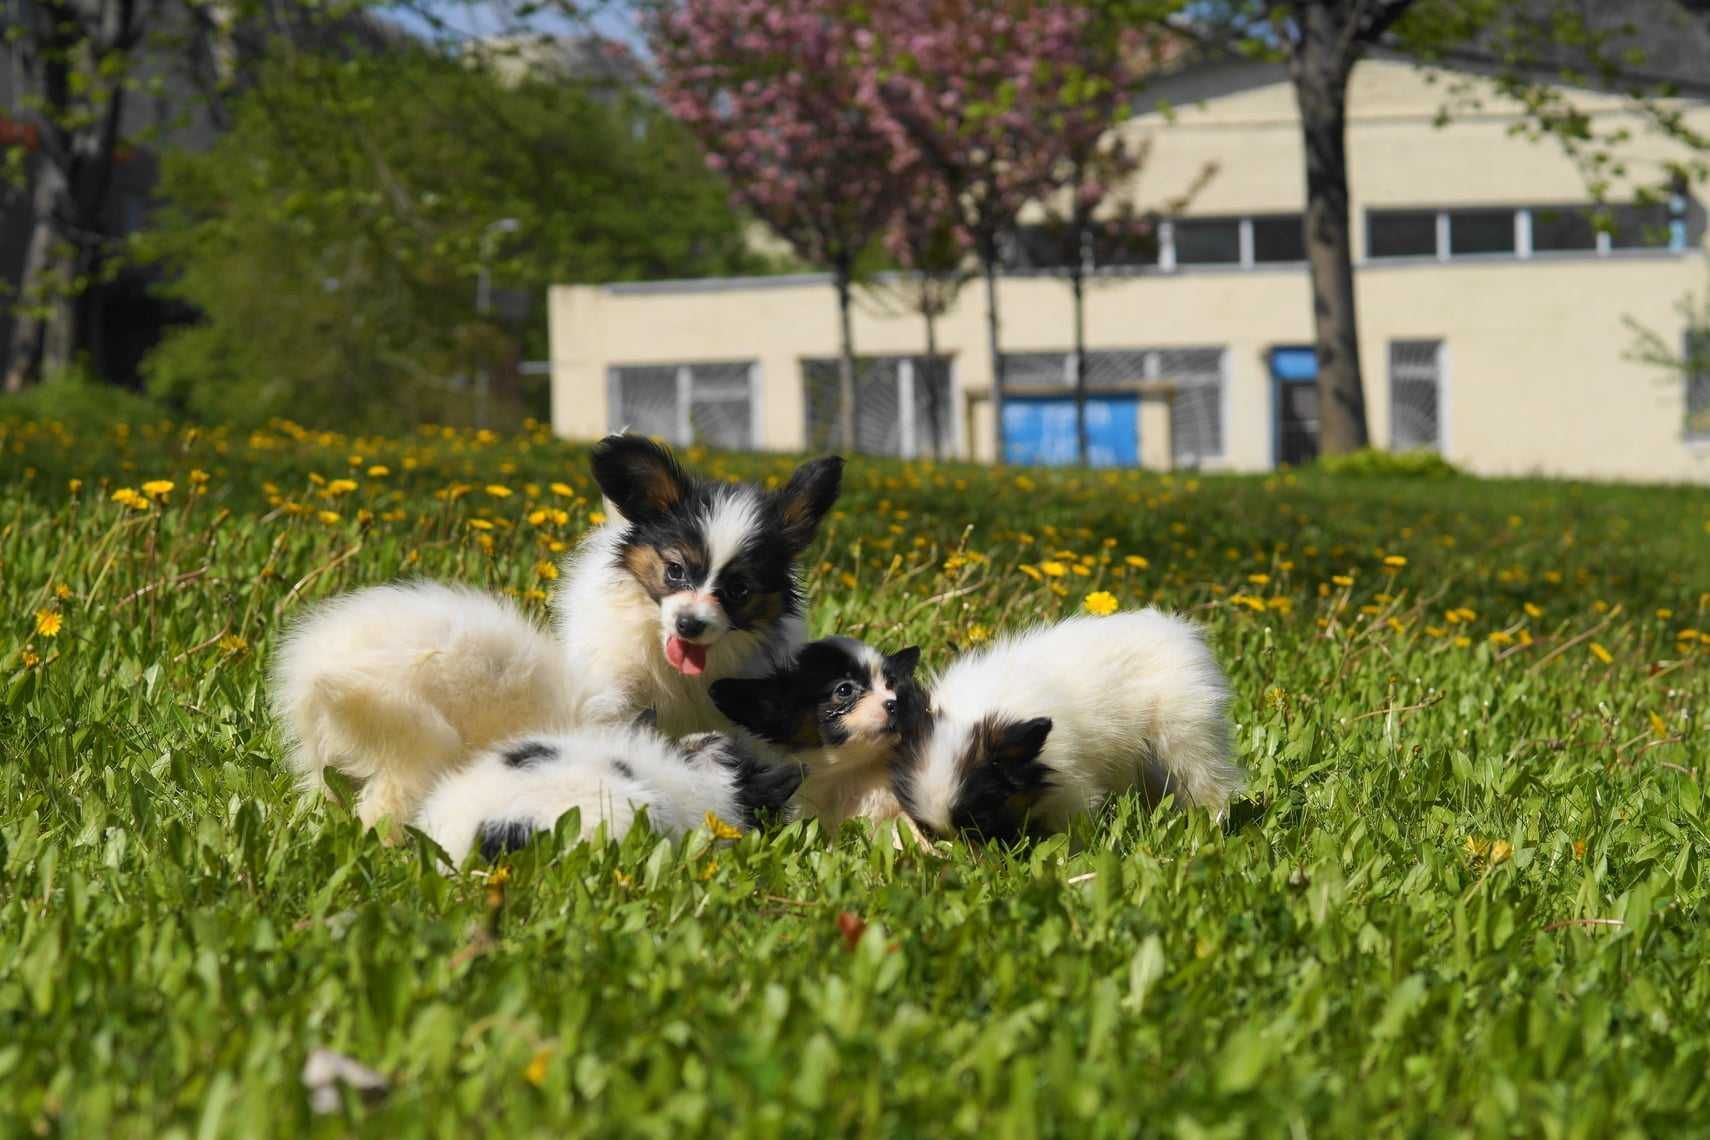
[1579, 849]
[1395, 561]
[1081, 571]
[1030, 571]
[1493, 851]
[847, 579]
[129, 497]
[597, 518]
[485, 542]
[721, 829]
[29, 657]
[339, 487]
[1500, 637]
[561, 489]
[1023, 483]
[62, 591]
[1533, 611]
[1053, 568]
[233, 643]
[547, 570]
[535, 1074]
[1462, 642]
[379, 471]
[199, 476]
[328, 517]
[1602, 654]
[978, 633]
[1103, 602]
[498, 490]
[481, 524]
[557, 547]
[48, 623]
[158, 488]
[1342, 580]
[75, 485]
[1665, 614]
[1659, 726]
[1688, 635]
[1137, 562]
[1259, 579]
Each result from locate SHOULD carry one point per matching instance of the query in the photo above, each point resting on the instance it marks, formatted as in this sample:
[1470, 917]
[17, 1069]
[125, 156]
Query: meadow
[1466, 896]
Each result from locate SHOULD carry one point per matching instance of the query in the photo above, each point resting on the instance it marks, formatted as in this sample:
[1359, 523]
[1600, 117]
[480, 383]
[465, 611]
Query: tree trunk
[1319, 67]
[988, 263]
[934, 413]
[1077, 285]
[43, 307]
[846, 360]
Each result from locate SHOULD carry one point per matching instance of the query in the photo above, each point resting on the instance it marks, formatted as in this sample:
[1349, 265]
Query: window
[1196, 374]
[1401, 233]
[1562, 229]
[1279, 238]
[1698, 386]
[1639, 227]
[708, 403]
[1415, 394]
[1480, 231]
[899, 401]
[1208, 241]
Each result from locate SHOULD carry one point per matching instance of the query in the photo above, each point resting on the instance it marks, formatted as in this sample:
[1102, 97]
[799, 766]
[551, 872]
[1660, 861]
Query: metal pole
[483, 303]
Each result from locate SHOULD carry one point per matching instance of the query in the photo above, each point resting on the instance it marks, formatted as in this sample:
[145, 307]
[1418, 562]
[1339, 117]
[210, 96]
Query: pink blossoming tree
[772, 94]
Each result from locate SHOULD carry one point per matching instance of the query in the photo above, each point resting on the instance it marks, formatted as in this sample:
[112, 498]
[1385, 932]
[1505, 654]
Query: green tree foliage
[333, 238]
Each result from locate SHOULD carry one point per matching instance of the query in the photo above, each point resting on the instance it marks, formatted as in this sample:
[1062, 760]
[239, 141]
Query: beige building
[1496, 320]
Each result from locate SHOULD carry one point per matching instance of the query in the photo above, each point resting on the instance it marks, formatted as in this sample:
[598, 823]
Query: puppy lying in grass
[611, 774]
[1040, 728]
[843, 711]
[398, 685]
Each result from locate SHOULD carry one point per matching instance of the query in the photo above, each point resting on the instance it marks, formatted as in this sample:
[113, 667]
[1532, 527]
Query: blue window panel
[1040, 431]
[1294, 363]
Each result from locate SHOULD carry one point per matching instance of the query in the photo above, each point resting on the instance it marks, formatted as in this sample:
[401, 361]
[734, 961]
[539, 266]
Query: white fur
[1136, 700]
[677, 784]
[729, 524]
[614, 638]
[396, 685]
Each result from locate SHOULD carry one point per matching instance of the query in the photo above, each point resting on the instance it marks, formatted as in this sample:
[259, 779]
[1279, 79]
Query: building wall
[1536, 378]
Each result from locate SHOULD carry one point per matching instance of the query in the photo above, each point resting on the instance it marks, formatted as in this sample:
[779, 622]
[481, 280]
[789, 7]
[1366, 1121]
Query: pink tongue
[685, 657]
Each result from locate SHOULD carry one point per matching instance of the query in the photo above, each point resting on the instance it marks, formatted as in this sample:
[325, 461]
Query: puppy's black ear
[640, 477]
[805, 499]
[1015, 748]
[903, 662]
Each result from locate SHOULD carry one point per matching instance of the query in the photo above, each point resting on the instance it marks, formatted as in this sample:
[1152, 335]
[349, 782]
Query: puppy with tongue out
[689, 581]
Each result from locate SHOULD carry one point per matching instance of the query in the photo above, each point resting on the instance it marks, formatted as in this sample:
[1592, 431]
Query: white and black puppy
[1043, 727]
[690, 581]
[397, 685]
[611, 774]
[842, 710]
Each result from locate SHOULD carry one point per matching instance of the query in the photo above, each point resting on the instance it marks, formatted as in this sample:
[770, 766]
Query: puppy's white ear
[805, 499]
[641, 478]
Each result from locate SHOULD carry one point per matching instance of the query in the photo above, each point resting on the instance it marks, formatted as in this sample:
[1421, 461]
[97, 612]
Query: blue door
[1040, 430]
[1294, 405]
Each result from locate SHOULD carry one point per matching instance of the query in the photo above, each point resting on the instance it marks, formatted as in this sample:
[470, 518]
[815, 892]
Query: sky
[479, 19]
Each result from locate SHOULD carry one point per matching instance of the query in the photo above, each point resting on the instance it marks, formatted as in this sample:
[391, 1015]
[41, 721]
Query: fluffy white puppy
[611, 774]
[689, 581]
[1047, 725]
[397, 685]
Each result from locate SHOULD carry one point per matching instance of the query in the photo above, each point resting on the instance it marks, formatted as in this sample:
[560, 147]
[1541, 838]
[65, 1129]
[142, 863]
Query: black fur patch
[1002, 779]
[804, 705]
[622, 768]
[761, 789]
[529, 753]
[501, 836]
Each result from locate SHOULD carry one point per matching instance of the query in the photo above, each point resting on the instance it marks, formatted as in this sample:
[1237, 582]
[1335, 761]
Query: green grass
[1469, 898]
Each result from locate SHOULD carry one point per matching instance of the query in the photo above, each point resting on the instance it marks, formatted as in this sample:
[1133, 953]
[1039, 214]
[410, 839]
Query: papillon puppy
[1037, 729]
[842, 710]
[688, 582]
[611, 774]
[397, 685]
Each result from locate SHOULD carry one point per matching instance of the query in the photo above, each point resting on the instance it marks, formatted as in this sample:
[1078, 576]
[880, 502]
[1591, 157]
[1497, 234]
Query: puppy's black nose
[690, 626]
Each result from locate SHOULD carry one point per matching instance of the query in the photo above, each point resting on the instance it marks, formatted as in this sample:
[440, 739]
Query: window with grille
[1415, 395]
[707, 403]
[902, 405]
[1196, 374]
[1698, 386]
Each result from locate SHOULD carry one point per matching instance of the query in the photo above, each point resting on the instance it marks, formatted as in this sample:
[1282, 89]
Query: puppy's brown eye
[675, 574]
[735, 592]
[844, 690]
